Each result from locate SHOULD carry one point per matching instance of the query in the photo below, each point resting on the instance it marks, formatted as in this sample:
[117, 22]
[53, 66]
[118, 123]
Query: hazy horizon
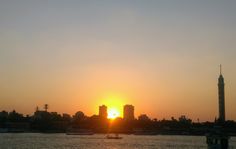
[160, 56]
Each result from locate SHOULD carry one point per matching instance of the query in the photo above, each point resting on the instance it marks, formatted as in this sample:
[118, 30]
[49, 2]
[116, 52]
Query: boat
[79, 132]
[116, 136]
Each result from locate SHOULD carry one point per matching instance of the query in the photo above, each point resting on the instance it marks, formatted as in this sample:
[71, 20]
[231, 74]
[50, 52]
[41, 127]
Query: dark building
[221, 94]
[128, 113]
[103, 111]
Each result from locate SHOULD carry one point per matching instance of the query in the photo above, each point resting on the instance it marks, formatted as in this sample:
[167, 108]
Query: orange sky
[161, 57]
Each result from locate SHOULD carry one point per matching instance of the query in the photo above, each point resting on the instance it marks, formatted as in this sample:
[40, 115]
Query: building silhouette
[128, 113]
[221, 94]
[103, 111]
[218, 137]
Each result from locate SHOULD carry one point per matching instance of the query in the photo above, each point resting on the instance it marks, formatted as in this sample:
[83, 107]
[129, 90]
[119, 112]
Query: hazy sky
[161, 56]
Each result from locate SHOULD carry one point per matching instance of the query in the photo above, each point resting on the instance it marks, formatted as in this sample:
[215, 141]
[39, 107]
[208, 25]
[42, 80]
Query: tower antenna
[220, 69]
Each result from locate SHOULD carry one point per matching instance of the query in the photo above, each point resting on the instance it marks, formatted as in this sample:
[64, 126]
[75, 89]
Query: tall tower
[221, 94]
[103, 111]
[218, 137]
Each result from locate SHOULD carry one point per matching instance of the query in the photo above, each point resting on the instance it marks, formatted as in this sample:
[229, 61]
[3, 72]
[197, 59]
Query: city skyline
[160, 56]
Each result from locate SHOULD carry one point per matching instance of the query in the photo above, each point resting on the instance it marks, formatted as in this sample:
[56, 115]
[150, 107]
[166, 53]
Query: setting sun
[113, 113]
[114, 103]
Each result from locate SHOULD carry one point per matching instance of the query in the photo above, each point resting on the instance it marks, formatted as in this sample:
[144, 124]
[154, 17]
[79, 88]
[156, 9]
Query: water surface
[98, 141]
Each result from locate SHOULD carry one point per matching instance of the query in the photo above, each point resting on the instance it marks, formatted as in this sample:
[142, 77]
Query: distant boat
[79, 132]
[116, 136]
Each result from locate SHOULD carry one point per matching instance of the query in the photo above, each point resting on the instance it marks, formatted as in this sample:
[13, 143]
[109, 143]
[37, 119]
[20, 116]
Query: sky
[161, 56]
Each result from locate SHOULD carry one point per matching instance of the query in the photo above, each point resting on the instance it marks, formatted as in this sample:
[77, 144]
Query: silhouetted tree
[15, 117]
[46, 107]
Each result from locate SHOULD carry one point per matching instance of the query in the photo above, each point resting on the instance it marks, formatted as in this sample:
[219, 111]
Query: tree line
[44, 121]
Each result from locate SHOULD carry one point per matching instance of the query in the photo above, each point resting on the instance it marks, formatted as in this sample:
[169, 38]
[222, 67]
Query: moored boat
[116, 136]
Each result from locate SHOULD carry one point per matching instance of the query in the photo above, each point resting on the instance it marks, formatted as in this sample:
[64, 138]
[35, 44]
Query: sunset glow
[113, 113]
[114, 103]
[162, 57]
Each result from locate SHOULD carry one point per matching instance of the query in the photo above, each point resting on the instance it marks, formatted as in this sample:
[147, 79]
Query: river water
[98, 141]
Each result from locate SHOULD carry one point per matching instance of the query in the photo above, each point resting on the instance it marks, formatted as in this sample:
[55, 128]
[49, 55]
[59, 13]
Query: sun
[112, 113]
[114, 105]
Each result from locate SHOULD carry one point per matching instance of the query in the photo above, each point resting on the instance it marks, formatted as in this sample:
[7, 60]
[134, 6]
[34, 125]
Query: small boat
[113, 137]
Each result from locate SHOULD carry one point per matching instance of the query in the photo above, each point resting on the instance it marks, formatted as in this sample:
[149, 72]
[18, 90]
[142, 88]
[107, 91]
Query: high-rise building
[103, 111]
[128, 113]
[221, 94]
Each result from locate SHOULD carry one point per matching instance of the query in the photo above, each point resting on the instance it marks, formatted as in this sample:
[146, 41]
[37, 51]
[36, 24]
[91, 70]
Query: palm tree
[46, 107]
